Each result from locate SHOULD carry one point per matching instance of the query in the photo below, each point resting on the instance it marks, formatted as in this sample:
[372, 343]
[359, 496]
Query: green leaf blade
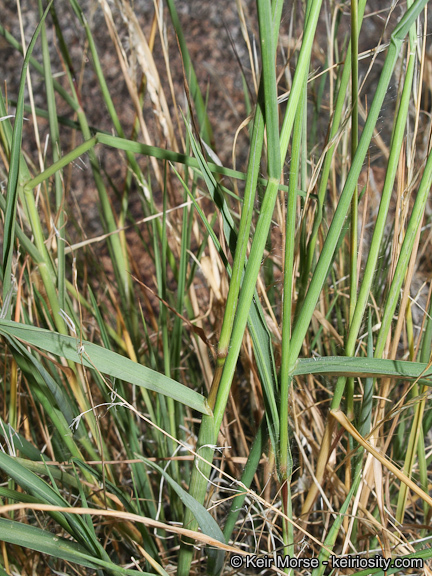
[105, 361]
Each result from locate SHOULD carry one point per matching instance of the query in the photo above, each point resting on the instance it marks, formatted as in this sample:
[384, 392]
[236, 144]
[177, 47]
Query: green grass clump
[202, 359]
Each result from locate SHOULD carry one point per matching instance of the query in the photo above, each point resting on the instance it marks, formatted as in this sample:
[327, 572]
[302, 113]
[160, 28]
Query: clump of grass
[237, 361]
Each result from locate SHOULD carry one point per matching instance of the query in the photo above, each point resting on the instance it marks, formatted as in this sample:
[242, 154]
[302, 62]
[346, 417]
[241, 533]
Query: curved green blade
[364, 367]
[105, 361]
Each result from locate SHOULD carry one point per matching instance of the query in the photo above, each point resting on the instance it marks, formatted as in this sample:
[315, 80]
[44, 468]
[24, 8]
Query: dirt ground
[218, 51]
[216, 45]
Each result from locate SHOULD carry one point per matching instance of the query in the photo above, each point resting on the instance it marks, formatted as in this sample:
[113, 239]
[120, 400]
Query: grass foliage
[205, 358]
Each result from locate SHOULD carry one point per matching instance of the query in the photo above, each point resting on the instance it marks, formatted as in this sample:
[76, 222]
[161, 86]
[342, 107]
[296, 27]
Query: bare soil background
[217, 49]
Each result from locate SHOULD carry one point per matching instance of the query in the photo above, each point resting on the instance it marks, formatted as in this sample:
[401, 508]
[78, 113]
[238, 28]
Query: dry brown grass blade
[130, 83]
[145, 59]
[198, 344]
[340, 417]
[324, 455]
[126, 516]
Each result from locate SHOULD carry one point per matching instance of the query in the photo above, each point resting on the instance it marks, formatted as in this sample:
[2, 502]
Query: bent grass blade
[105, 361]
